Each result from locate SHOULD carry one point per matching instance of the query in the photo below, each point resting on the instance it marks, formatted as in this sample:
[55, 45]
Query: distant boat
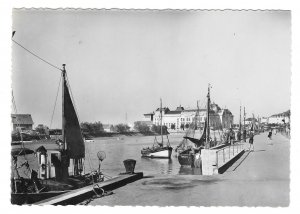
[158, 150]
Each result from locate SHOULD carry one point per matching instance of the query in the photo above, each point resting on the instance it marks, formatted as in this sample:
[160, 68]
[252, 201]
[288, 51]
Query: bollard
[129, 165]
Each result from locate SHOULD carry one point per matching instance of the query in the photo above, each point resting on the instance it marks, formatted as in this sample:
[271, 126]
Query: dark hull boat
[189, 156]
[186, 158]
[192, 156]
[60, 167]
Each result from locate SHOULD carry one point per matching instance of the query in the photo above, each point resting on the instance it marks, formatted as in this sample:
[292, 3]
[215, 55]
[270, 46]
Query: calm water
[129, 147]
[119, 149]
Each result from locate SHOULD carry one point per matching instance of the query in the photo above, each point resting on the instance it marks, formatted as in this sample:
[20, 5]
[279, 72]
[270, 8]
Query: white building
[181, 118]
[264, 120]
[280, 118]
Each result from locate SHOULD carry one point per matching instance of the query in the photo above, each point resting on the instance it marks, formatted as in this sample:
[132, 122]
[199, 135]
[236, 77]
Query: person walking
[251, 141]
[270, 135]
[244, 135]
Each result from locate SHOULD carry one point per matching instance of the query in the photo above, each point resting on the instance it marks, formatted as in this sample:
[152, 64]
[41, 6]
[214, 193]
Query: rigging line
[40, 58]
[14, 103]
[18, 125]
[55, 101]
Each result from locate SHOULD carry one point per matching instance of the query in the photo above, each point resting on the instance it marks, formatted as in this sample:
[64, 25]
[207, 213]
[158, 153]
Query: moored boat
[60, 165]
[158, 150]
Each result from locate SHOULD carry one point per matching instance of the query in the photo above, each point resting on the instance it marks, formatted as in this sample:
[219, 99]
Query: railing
[285, 133]
[227, 153]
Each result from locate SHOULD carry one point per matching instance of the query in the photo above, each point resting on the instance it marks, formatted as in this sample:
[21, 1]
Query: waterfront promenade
[259, 178]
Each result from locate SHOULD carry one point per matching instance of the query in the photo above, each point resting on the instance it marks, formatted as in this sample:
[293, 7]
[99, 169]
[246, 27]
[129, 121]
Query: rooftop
[283, 114]
[22, 119]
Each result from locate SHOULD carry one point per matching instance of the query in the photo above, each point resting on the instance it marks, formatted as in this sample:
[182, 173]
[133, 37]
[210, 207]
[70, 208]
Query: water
[129, 147]
[118, 149]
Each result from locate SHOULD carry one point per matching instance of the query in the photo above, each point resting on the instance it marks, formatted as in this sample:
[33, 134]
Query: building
[280, 118]
[107, 127]
[250, 120]
[264, 120]
[148, 117]
[180, 118]
[22, 122]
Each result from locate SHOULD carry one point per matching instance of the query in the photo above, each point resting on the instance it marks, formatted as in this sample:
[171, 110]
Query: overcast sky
[124, 61]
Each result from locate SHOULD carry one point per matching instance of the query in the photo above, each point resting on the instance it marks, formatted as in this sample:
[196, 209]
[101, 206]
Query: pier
[76, 196]
[258, 178]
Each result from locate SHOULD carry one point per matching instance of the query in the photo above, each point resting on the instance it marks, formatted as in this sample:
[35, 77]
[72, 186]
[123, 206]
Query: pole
[240, 125]
[244, 116]
[207, 118]
[64, 156]
[161, 129]
[63, 106]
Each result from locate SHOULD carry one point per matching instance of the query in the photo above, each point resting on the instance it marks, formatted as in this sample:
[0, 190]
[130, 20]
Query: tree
[42, 129]
[187, 126]
[141, 127]
[92, 128]
[156, 129]
[173, 126]
[121, 128]
[182, 126]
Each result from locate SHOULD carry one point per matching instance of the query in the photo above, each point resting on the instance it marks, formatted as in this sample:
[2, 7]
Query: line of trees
[120, 128]
[145, 129]
[95, 128]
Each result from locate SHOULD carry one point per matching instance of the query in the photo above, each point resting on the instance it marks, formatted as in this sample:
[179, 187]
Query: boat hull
[189, 159]
[30, 198]
[164, 152]
[186, 159]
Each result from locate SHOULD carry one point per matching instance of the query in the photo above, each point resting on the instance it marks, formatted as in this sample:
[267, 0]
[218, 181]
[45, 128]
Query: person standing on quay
[251, 141]
[244, 135]
[270, 135]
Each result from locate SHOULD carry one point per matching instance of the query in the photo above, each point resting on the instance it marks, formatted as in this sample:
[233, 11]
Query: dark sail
[201, 141]
[73, 135]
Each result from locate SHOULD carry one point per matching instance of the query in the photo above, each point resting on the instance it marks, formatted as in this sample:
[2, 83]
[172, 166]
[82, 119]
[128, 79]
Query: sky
[123, 61]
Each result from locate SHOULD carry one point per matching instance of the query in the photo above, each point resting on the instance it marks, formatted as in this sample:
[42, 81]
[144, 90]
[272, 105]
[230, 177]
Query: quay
[258, 178]
[76, 196]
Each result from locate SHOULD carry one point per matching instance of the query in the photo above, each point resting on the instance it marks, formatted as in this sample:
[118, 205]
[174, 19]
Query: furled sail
[201, 141]
[73, 135]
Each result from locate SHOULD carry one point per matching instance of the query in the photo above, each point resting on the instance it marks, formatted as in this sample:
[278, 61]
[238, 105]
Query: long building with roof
[280, 118]
[22, 122]
[181, 118]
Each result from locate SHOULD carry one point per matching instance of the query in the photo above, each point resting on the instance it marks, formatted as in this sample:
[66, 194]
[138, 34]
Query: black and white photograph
[150, 107]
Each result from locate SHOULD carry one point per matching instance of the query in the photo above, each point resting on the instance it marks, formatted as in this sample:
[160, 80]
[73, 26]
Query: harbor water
[118, 149]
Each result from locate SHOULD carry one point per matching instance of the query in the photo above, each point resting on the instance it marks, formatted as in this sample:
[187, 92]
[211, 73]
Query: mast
[244, 116]
[240, 125]
[207, 118]
[161, 129]
[63, 106]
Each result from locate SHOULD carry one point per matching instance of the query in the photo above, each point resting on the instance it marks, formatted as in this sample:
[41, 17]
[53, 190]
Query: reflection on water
[130, 148]
[189, 171]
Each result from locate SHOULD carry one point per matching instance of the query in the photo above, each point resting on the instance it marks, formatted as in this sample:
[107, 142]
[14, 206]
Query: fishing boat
[158, 150]
[188, 156]
[60, 165]
[192, 156]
